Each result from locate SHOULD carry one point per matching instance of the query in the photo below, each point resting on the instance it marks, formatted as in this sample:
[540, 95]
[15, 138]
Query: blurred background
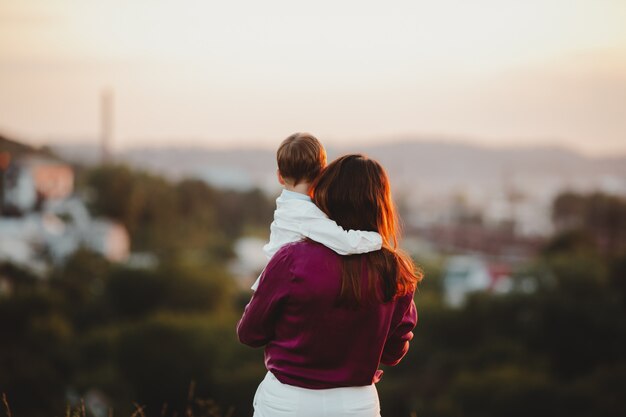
[137, 185]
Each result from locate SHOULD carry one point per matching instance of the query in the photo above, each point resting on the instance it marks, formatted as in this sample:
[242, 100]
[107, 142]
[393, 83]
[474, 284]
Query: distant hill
[461, 161]
[424, 164]
[18, 149]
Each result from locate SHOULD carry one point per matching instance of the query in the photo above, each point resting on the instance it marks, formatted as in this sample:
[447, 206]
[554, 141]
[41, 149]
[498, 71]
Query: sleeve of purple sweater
[256, 327]
[401, 331]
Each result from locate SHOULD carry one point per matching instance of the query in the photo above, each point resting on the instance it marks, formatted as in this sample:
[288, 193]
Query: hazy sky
[226, 73]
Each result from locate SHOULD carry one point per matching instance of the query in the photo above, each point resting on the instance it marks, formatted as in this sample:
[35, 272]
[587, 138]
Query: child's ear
[281, 180]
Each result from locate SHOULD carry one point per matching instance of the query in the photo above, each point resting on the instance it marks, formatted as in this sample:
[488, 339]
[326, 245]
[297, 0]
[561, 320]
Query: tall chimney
[106, 123]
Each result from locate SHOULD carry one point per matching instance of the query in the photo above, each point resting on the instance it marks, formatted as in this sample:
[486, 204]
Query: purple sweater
[311, 343]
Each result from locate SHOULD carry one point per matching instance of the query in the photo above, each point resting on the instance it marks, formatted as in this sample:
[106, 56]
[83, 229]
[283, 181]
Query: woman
[327, 321]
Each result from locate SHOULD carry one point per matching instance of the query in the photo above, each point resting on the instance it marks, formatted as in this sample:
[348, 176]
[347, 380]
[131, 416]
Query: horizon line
[367, 142]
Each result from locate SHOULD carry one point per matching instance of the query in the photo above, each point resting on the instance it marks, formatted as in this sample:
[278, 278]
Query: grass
[196, 407]
[6, 405]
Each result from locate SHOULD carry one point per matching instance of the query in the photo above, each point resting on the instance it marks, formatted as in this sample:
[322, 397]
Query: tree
[601, 215]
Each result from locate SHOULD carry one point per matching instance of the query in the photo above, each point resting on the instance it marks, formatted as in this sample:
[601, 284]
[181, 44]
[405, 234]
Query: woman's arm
[401, 331]
[256, 327]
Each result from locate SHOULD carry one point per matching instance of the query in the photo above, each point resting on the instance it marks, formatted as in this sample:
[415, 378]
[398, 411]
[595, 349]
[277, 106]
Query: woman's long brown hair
[354, 191]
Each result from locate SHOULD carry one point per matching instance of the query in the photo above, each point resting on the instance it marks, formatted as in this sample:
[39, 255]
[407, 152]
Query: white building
[465, 274]
[22, 242]
[32, 179]
[34, 240]
[74, 228]
[51, 225]
[249, 260]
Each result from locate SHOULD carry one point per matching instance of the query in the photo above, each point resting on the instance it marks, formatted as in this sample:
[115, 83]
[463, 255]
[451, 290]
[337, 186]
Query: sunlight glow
[357, 68]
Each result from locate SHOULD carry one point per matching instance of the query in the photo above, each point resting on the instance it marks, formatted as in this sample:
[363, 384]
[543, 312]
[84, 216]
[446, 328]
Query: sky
[242, 73]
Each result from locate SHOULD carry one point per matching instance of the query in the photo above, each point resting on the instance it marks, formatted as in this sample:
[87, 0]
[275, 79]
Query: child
[301, 158]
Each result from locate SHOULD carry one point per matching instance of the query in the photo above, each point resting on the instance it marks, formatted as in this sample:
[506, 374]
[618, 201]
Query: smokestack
[106, 123]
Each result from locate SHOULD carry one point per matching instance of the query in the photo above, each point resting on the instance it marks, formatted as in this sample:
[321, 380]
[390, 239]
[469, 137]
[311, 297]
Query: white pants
[275, 399]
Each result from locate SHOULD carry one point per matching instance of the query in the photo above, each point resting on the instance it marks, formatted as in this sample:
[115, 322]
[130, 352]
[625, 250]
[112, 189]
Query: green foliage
[570, 241]
[80, 281]
[149, 353]
[145, 334]
[119, 194]
[556, 351]
[236, 211]
[137, 334]
[600, 393]
[35, 351]
[135, 293]
[617, 276]
[20, 277]
[165, 217]
[600, 215]
[510, 391]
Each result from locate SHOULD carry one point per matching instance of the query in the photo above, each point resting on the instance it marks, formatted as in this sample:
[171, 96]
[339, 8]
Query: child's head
[301, 158]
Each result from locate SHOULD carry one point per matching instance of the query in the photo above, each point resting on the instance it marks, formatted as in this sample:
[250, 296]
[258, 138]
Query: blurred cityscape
[119, 273]
[487, 210]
